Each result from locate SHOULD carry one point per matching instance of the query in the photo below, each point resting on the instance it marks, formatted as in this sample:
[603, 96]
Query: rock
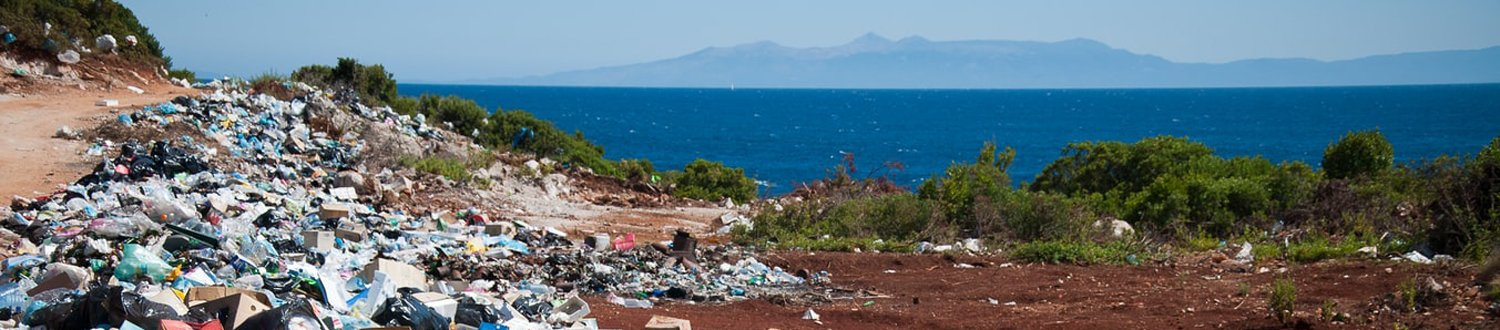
[972, 245]
[105, 43]
[534, 166]
[69, 57]
[352, 179]
[130, 40]
[1117, 228]
[1120, 228]
[67, 133]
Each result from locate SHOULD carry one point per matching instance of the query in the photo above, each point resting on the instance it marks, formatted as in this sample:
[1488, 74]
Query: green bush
[77, 19]
[371, 82]
[963, 184]
[544, 140]
[453, 169]
[1282, 298]
[712, 181]
[1073, 252]
[1172, 186]
[1362, 153]
[638, 170]
[183, 74]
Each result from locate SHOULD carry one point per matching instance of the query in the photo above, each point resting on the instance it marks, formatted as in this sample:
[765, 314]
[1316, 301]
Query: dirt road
[930, 292]
[32, 162]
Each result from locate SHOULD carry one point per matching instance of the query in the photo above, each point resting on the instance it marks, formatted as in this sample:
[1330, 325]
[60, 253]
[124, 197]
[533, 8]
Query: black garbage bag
[472, 313]
[294, 315]
[102, 306]
[143, 312]
[408, 311]
[533, 308]
[64, 312]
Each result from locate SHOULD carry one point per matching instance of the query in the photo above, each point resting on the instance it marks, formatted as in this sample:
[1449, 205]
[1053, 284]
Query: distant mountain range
[871, 61]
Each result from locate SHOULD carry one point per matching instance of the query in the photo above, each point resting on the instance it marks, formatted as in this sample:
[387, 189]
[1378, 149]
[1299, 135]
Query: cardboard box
[203, 294]
[351, 234]
[234, 309]
[331, 211]
[318, 240]
[659, 322]
[401, 274]
[499, 229]
[59, 280]
[184, 325]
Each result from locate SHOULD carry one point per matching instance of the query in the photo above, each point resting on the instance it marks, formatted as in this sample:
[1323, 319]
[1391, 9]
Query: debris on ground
[264, 218]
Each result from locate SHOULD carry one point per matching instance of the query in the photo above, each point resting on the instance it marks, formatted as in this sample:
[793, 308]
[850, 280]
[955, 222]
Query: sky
[454, 41]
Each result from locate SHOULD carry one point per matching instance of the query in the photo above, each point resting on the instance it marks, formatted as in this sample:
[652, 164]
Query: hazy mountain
[871, 61]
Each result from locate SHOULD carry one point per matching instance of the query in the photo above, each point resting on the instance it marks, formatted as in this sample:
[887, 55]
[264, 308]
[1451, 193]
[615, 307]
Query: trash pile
[263, 222]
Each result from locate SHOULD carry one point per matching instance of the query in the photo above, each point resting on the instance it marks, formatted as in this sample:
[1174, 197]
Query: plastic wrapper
[136, 260]
[408, 311]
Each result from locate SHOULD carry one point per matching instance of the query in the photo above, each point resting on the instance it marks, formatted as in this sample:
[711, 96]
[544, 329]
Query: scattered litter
[136, 90]
[69, 57]
[811, 315]
[1416, 257]
[292, 238]
[1246, 253]
[107, 103]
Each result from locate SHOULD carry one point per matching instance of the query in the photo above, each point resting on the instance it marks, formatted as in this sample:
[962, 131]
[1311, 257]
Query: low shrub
[1281, 298]
[78, 19]
[1073, 252]
[183, 74]
[453, 169]
[712, 181]
[1363, 153]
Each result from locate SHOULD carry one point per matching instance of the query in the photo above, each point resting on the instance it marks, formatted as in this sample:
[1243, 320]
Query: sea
[784, 137]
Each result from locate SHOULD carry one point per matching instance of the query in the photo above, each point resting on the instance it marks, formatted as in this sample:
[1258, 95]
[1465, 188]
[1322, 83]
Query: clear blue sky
[459, 40]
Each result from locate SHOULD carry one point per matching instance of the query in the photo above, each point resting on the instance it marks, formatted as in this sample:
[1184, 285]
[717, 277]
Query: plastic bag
[472, 313]
[138, 309]
[294, 315]
[407, 310]
[136, 260]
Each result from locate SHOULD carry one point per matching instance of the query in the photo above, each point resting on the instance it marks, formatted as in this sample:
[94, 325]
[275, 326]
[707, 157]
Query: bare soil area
[32, 161]
[905, 291]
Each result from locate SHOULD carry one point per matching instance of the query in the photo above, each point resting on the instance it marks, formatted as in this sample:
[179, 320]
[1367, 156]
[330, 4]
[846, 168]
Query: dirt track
[929, 292]
[31, 160]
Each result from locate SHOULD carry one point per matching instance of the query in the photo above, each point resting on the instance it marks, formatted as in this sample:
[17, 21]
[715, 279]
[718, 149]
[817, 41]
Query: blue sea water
[787, 136]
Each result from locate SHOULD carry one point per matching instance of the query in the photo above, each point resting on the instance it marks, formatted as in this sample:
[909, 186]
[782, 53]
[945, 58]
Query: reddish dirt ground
[929, 292]
[32, 162]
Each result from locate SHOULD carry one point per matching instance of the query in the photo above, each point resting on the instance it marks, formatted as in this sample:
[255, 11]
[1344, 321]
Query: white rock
[69, 57]
[105, 43]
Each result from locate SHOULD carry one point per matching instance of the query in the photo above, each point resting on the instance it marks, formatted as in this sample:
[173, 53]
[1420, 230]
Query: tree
[1358, 154]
